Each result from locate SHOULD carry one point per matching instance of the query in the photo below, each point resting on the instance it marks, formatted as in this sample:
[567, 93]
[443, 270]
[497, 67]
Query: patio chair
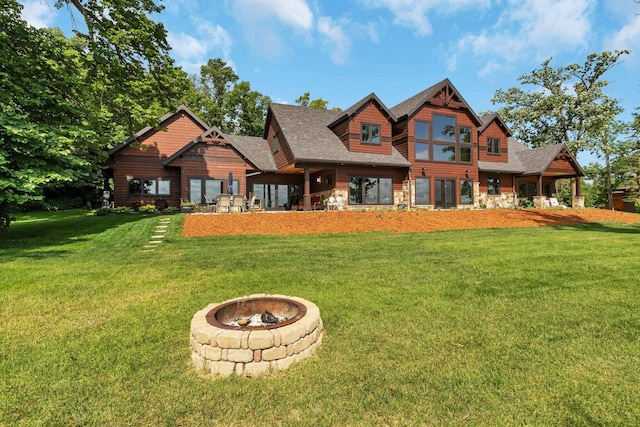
[224, 203]
[317, 202]
[338, 203]
[238, 203]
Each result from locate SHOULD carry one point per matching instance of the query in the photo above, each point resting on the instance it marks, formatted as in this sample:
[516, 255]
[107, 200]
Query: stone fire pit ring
[221, 347]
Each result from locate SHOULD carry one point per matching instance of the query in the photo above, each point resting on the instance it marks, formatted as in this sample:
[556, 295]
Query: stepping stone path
[158, 235]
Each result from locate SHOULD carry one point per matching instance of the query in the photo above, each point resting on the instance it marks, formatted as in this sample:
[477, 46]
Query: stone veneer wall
[253, 352]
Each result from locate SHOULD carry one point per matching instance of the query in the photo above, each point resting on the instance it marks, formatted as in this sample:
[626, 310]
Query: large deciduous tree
[565, 105]
[43, 136]
[64, 101]
[220, 99]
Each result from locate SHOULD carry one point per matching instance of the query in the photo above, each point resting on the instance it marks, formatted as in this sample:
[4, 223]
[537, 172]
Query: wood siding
[144, 160]
[283, 157]
[561, 166]
[177, 132]
[493, 131]
[142, 167]
[212, 162]
[370, 114]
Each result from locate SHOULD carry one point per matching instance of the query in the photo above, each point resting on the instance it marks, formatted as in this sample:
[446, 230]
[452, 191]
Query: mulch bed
[283, 223]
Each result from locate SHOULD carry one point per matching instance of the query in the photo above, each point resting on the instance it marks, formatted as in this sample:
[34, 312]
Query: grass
[535, 326]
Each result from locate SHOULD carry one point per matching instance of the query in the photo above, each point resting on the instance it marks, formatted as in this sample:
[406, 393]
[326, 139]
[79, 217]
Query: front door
[445, 193]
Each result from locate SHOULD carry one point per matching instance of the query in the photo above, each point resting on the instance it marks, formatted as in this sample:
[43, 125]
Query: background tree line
[64, 101]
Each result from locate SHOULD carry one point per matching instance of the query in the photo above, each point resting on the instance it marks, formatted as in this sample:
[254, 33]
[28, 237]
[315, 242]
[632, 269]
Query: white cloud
[38, 13]
[416, 13]
[263, 22]
[533, 29]
[335, 39]
[185, 46]
[627, 37]
[191, 52]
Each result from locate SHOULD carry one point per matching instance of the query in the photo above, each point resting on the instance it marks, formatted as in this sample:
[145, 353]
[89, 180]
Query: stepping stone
[157, 237]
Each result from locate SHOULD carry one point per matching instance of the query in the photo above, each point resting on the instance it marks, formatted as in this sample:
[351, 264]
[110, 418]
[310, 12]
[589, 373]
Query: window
[212, 189]
[422, 140]
[465, 144]
[493, 146]
[370, 191]
[276, 144]
[422, 130]
[466, 192]
[276, 196]
[444, 153]
[465, 154]
[493, 186]
[422, 151]
[151, 187]
[444, 128]
[465, 135]
[370, 134]
[423, 191]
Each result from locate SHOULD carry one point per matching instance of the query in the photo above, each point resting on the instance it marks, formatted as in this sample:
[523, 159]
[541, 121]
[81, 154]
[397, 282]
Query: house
[430, 151]
[624, 199]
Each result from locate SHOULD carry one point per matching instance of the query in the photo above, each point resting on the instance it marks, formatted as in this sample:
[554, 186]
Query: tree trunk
[607, 163]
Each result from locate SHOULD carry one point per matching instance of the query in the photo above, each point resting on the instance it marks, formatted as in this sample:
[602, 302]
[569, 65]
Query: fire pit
[254, 335]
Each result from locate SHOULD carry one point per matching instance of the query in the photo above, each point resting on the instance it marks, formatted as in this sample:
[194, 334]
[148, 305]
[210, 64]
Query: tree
[231, 105]
[80, 96]
[567, 105]
[43, 137]
[305, 101]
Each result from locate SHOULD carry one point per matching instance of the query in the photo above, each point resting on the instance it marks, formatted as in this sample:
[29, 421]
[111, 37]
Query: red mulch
[283, 223]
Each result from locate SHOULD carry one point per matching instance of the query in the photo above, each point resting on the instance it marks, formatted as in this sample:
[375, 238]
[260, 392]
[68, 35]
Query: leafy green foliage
[64, 102]
[565, 105]
[43, 136]
[223, 101]
[305, 100]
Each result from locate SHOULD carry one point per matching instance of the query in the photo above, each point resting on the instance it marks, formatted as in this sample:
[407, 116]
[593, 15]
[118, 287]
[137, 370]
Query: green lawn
[537, 326]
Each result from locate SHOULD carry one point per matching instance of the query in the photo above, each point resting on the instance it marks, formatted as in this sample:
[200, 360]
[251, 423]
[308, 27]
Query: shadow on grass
[39, 230]
[604, 227]
[564, 220]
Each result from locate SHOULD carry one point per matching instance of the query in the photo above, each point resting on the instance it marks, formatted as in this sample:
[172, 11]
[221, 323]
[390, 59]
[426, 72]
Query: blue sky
[342, 50]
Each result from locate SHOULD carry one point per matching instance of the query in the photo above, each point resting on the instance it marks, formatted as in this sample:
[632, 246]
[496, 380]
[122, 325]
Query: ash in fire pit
[266, 318]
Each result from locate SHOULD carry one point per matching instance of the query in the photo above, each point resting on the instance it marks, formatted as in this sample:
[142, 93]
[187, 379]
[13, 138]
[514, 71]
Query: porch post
[307, 190]
[538, 200]
[539, 189]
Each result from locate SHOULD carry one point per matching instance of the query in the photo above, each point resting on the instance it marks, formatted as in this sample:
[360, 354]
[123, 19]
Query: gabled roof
[163, 120]
[449, 94]
[538, 160]
[349, 112]
[310, 139]
[254, 149]
[487, 119]
[527, 161]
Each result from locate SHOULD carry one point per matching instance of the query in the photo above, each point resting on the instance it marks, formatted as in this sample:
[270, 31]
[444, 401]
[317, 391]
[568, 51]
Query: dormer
[365, 127]
[493, 138]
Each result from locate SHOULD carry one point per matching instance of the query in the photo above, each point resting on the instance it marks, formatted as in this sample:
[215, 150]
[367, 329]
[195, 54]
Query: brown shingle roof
[310, 139]
[527, 161]
[411, 105]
